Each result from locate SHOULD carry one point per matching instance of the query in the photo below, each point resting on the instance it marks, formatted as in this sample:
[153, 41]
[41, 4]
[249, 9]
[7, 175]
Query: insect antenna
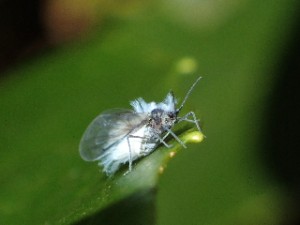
[187, 95]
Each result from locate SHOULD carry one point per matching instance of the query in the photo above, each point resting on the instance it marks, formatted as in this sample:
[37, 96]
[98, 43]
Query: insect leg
[130, 152]
[162, 140]
[166, 135]
[194, 120]
[175, 136]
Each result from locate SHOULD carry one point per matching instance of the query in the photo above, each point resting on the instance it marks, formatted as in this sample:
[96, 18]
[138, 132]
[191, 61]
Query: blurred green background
[64, 62]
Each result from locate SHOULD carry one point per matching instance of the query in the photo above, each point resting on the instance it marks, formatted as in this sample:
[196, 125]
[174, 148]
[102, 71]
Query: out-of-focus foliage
[47, 103]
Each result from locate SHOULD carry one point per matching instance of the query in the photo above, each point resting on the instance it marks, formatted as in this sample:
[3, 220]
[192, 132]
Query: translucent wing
[106, 130]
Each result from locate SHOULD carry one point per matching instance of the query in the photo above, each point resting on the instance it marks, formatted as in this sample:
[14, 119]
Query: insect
[121, 136]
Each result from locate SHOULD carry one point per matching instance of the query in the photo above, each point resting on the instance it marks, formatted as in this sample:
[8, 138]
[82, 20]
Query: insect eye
[171, 115]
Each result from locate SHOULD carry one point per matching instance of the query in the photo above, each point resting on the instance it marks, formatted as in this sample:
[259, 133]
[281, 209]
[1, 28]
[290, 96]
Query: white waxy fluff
[121, 136]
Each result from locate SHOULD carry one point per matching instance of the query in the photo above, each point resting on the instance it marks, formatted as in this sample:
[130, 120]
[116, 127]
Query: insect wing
[105, 131]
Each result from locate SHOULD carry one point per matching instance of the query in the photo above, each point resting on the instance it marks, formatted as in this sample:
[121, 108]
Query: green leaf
[131, 195]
